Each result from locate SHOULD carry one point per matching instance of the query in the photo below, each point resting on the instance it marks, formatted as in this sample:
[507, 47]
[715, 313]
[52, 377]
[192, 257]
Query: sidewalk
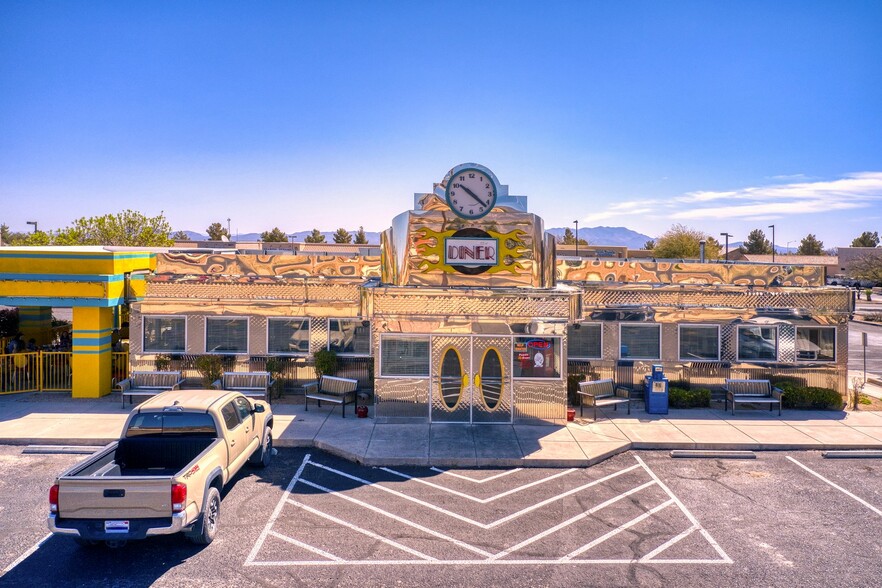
[56, 419]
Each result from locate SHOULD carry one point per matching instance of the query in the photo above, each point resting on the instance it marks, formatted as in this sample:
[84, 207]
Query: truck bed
[147, 456]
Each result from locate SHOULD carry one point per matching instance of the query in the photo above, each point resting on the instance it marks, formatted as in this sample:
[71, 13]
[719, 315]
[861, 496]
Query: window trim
[641, 325]
[292, 353]
[247, 320]
[777, 343]
[819, 327]
[427, 337]
[162, 316]
[582, 325]
[692, 359]
[370, 328]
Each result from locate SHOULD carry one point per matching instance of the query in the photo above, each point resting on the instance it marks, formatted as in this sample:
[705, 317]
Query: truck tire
[263, 455]
[206, 529]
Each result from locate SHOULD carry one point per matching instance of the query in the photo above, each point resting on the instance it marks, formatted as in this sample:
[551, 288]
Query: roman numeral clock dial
[471, 193]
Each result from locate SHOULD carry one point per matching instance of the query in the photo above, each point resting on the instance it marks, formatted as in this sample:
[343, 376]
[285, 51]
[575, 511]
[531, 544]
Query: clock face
[471, 193]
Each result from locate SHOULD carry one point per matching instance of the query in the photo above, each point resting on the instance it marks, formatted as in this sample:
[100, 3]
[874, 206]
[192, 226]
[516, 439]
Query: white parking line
[840, 488]
[461, 477]
[26, 554]
[474, 498]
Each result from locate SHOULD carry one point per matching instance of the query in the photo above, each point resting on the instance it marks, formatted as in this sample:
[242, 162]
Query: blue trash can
[655, 387]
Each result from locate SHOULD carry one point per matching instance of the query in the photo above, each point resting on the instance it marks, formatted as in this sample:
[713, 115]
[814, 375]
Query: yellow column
[92, 328]
[36, 322]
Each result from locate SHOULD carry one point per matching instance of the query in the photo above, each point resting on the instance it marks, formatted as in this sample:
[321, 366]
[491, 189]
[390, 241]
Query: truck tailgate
[130, 497]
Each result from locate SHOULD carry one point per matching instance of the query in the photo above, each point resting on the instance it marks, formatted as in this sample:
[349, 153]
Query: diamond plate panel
[195, 334]
[401, 398]
[537, 400]
[136, 332]
[445, 385]
[478, 304]
[495, 392]
[786, 343]
[842, 346]
[237, 291]
[257, 338]
[729, 342]
[827, 300]
[318, 333]
[610, 340]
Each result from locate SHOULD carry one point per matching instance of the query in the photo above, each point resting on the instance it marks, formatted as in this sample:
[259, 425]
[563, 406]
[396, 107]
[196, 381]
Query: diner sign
[470, 252]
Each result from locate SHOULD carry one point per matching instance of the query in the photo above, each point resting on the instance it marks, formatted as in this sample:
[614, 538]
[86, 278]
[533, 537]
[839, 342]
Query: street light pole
[229, 234]
[577, 237]
[32, 223]
[773, 242]
[726, 235]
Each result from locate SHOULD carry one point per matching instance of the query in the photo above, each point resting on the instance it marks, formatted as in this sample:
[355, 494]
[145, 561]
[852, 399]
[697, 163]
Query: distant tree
[129, 227]
[649, 245]
[8, 237]
[342, 236]
[277, 235]
[867, 239]
[682, 242]
[180, 236]
[216, 232]
[867, 267]
[757, 243]
[4, 234]
[360, 237]
[810, 246]
[38, 238]
[568, 237]
[315, 237]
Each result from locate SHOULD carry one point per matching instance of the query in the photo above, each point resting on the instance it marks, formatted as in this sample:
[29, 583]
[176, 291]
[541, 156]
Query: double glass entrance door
[471, 379]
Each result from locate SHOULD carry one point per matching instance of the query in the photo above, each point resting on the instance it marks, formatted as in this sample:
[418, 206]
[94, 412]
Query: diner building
[468, 314]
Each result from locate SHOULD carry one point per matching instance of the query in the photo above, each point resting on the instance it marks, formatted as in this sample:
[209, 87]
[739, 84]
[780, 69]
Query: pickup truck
[165, 474]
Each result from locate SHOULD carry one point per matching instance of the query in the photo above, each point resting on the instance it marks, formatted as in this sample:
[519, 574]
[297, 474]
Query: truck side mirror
[259, 408]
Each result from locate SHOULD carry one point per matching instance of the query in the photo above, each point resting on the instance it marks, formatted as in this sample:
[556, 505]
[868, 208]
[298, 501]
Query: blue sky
[723, 116]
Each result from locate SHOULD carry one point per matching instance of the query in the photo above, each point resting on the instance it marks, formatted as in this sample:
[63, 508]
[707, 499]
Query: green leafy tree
[216, 232]
[757, 243]
[277, 235]
[568, 237]
[649, 245]
[867, 267]
[128, 228]
[39, 238]
[180, 236]
[360, 237]
[810, 246]
[682, 242]
[8, 237]
[867, 239]
[315, 237]
[342, 236]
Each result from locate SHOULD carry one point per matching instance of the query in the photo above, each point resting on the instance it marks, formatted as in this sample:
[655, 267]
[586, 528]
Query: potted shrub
[274, 366]
[325, 362]
[162, 363]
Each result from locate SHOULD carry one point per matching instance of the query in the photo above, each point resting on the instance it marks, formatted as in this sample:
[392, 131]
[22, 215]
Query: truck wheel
[264, 454]
[210, 518]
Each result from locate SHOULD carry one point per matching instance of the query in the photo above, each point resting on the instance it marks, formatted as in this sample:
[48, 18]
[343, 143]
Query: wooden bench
[332, 389]
[603, 393]
[253, 384]
[146, 384]
[752, 392]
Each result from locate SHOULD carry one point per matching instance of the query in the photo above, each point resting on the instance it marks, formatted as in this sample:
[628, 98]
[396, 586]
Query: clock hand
[473, 195]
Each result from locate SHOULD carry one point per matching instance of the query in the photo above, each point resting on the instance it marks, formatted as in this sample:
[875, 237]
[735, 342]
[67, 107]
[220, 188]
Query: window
[699, 343]
[226, 335]
[536, 357]
[288, 336]
[640, 341]
[231, 416]
[349, 336]
[815, 344]
[404, 356]
[243, 407]
[757, 343]
[166, 334]
[171, 423]
[584, 341]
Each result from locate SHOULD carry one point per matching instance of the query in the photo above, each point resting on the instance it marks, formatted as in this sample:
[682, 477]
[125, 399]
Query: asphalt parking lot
[641, 517]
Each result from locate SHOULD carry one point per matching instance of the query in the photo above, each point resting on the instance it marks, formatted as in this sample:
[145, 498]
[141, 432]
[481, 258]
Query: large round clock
[471, 192]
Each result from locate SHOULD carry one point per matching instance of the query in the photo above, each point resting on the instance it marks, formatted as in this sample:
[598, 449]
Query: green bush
[325, 363]
[211, 367]
[682, 398]
[810, 397]
[573, 397]
[162, 362]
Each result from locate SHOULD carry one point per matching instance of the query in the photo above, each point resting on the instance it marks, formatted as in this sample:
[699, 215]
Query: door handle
[232, 442]
[465, 381]
[478, 381]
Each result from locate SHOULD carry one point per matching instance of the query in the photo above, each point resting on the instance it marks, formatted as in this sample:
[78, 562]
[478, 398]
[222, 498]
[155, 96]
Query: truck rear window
[171, 423]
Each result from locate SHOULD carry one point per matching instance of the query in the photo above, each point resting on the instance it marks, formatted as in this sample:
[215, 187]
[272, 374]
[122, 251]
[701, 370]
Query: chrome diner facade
[468, 315]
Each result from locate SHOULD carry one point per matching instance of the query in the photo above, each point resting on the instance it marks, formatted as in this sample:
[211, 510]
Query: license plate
[116, 526]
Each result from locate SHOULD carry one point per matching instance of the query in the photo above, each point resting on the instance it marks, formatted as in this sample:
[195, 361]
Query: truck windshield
[171, 423]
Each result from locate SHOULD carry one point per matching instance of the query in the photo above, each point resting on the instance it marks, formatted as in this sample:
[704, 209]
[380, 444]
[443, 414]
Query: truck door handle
[232, 442]
[114, 493]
